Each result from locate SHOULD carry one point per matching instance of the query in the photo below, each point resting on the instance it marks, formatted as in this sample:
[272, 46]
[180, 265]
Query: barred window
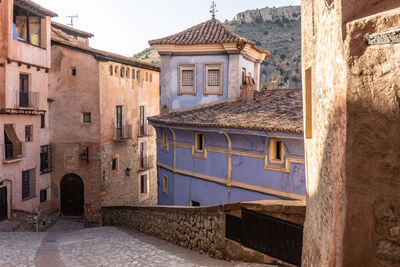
[213, 78]
[187, 78]
[45, 159]
[28, 184]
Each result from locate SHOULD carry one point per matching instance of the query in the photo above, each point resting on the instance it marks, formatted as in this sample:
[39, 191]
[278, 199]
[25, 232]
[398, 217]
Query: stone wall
[202, 228]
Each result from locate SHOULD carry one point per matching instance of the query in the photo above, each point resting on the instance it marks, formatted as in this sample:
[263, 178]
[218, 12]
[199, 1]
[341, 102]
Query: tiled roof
[35, 7]
[60, 37]
[211, 31]
[279, 110]
[71, 31]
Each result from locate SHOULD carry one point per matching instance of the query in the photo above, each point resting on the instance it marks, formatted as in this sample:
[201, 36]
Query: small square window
[194, 203]
[73, 71]
[114, 164]
[187, 79]
[165, 184]
[28, 133]
[87, 117]
[143, 184]
[199, 142]
[276, 151]
[213, 79]
[43, 195]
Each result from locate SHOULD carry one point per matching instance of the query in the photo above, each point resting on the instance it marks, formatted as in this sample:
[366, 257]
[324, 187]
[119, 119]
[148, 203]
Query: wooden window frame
[187, 90]
[273, 151]
[213, 90]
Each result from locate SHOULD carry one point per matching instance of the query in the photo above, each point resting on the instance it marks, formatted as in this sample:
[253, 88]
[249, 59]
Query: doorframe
[8, 184]
[59, 193]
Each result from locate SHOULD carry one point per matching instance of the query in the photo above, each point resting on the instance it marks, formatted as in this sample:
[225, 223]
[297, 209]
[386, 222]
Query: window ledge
[9, 161]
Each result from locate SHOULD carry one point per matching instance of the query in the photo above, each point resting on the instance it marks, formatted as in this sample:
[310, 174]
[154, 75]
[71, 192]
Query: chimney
[164, 110]
[247, 89]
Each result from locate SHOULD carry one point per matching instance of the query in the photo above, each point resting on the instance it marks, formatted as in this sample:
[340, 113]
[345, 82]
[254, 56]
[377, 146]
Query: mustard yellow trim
[235, 184]
[174, 145]
[285, 168]
[229, 153]
[272, 151]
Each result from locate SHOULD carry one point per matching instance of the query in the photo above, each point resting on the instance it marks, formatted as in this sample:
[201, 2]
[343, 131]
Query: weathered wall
[201, 229]
[214, 179]
[352, 157]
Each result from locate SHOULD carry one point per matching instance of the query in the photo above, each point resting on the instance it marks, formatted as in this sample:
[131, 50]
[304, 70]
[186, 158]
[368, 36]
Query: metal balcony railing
[27, 99]
[146, 162]
[123, 132]
[11, 151]
[144, 130]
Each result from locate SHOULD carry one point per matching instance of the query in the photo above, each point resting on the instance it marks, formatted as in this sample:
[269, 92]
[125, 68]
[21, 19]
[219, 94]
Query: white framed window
[165, 184]
[276, 151]
[213, 82]
[187, 79]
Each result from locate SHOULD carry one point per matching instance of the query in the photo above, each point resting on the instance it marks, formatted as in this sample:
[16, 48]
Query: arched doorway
[72, 195]
[3, 204]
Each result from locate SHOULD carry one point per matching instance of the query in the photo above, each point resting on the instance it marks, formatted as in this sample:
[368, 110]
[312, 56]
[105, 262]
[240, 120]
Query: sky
[125, 26]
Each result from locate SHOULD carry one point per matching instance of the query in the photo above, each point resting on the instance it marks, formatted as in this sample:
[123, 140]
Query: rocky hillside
[276, 29]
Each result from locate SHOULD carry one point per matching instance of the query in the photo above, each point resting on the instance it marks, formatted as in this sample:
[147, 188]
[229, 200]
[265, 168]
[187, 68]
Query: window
[110, 69]
[87, 117]
[147, 76]
[164, 138]
[276, 151]
[143, 120]
[122, 74]
[151, 77]
[243, 76]
[133, 74]
[199, 142]
[308, 99]
[143, 184]
[194, 203]
[165, 184]
[127, 73]
[114, 164]
[12, 144]
[138, 75]
[28, 184]
[23, 94]
[73, 71]
[116, 70]
[28, 133]
[119, 117]
[42, 121]
[43, 195]
[45, 159]
[213, 79]
[144, 160]
[187, 79]
[27, 26]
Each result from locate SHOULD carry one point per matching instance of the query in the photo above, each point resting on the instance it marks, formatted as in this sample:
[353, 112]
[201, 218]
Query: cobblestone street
[69, 244]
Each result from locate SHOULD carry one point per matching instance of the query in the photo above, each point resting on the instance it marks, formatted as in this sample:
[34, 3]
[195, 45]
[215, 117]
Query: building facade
[218, 141]
[25, 191]
[102, 145]
[351, 55]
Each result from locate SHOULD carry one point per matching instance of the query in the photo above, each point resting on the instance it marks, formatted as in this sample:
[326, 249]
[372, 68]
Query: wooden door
[24, 90]
[3, 203]
[72, 195]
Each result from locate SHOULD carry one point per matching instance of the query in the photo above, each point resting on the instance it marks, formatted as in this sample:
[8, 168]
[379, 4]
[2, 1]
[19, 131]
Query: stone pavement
[69, 244]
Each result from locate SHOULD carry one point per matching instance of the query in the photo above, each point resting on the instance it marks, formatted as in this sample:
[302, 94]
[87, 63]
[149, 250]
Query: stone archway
[72, 195]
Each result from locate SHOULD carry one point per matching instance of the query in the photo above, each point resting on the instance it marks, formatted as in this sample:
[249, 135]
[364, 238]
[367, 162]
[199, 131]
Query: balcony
[12, 152]
[146, 162]
[123, 132]
[28, 100]
[144, 131]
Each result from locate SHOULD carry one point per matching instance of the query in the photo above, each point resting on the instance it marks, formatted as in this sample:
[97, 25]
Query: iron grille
[187, 77]
[213, 78]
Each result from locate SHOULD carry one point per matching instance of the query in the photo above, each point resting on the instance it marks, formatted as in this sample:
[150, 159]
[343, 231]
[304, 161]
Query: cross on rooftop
[213, 10]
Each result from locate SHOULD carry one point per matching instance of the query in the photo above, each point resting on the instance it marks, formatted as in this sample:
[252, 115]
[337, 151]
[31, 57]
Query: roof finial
[213, 10]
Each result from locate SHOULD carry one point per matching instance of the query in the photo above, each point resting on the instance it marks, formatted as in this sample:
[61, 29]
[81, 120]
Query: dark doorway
[3, 203]
[72, 195]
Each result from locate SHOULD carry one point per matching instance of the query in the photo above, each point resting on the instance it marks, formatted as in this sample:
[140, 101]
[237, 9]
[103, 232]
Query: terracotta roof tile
[35, 7]
[70, 30]
[279, 110]
[60, 37]
[211, 31]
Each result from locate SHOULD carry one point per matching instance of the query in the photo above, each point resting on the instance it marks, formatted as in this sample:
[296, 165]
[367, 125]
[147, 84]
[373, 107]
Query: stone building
[25, 191]
[351, 55]
[222, 142]
[103, 151]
